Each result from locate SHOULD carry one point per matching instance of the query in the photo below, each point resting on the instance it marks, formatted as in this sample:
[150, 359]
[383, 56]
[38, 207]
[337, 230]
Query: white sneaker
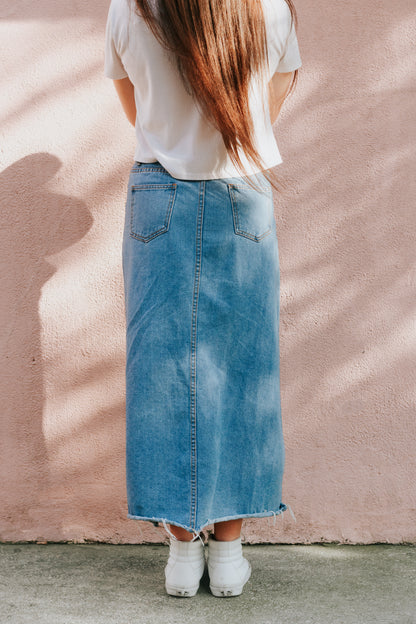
[184, 568]
[228, 569]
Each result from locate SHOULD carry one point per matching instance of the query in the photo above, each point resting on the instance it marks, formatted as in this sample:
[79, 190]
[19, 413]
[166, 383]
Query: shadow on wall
[40, 223]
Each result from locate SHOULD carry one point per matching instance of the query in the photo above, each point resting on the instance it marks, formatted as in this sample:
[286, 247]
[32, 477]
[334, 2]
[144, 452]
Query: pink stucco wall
[346, 230]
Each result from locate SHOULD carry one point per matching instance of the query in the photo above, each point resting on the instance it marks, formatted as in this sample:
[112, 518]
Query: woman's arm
[125, 92]
[278, 88]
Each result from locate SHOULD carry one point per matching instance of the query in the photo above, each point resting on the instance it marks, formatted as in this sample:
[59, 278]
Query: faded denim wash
[203, 415]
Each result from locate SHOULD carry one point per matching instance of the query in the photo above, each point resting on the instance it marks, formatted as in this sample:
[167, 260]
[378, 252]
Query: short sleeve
[113, 66]
[291, 56]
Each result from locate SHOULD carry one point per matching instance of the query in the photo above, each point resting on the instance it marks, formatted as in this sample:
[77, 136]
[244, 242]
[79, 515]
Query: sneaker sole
[226, 591]
[187, 592]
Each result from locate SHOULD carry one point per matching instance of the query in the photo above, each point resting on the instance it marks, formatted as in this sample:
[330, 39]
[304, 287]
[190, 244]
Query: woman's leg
[225, 531]
[228, 530]
[180, 533]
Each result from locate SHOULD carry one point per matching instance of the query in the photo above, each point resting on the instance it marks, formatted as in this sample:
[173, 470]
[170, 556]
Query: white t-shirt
[169, 126]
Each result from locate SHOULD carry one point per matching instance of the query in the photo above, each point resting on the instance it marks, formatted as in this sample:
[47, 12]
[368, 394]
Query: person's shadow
[35, 223]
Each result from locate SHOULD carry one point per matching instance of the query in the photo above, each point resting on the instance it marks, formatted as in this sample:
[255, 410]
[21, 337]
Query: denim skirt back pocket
[253, 214]
[151, 206]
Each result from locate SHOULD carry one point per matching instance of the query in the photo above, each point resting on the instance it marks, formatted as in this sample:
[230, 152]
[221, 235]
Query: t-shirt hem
[115, 75]
[288, 67]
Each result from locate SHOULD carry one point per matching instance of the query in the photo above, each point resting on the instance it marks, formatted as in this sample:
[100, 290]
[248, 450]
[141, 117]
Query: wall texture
[346, 230]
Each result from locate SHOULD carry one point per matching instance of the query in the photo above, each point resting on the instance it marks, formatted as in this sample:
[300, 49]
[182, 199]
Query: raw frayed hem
[279, 514]
[165, 521]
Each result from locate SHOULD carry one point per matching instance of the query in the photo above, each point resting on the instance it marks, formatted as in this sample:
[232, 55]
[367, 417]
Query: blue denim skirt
[204, 438]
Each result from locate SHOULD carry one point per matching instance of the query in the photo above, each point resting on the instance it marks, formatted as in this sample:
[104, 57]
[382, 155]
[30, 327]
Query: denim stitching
[164, 228]
[155, 186]
[141, 169]
[193, 355]
[237, 228]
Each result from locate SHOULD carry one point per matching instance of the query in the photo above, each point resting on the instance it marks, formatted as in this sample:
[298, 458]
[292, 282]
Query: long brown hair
[218, 45]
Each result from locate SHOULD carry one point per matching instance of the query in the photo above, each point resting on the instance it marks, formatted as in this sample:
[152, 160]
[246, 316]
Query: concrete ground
[124, 584]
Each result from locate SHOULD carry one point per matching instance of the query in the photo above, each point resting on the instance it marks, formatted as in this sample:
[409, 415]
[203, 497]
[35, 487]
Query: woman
[202, 81]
